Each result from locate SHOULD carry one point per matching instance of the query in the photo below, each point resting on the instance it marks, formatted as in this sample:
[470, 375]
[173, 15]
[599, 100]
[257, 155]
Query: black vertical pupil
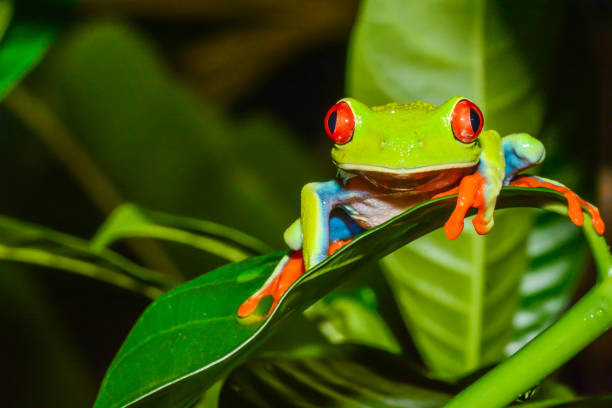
[331, 121]
[474, 120]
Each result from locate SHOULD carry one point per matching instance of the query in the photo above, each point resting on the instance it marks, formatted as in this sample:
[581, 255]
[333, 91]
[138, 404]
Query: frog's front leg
[521, 151]
[317, 234]
[479, 190]
[318, 200]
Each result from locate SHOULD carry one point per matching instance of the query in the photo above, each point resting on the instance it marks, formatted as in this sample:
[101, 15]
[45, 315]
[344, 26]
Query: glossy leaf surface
[190, 337]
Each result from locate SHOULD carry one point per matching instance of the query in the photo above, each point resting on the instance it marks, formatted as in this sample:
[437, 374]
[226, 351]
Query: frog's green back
[419, 106]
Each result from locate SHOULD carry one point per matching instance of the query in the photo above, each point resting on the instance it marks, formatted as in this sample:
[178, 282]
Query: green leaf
[556, 253]
[22, 46]
[459, 297]
[351, 376]
[458, 300]
[190, 337]
[32, 244]
[337, 376]
[131, 221]
[353, 317]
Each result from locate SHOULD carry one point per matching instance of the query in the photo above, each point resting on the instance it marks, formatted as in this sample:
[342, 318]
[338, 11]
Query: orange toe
[574, 202]
[293, 269]
[471, 194]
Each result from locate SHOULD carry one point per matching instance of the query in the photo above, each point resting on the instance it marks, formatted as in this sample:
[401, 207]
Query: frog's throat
[401, 171]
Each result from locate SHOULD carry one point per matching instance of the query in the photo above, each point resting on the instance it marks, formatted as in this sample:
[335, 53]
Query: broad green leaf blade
[413, 50]
[355, 376]
[547, 286]
[131, 221]
[353, 317]
[28, 243]
[459, 297]
[190, 337]
[22, 46]
[338, 376]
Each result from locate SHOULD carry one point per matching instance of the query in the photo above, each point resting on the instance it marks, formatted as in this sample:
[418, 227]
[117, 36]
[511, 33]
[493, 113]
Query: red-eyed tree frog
[392, 157]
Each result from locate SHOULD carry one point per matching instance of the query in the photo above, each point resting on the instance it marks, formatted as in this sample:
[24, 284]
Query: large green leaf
[190, 337]
[458, 300]
[358, 376]
[354, 314]
[339, 376]
[553, 271]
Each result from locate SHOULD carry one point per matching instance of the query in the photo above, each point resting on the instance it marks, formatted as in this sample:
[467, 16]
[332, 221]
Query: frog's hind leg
[574, 202]
[287, 271]
[341, 230]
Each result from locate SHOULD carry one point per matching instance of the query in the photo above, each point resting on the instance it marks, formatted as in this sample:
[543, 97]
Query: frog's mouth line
[415, 180]
[402, 171]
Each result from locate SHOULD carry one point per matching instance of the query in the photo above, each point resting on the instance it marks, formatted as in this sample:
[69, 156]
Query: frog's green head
[401, 140]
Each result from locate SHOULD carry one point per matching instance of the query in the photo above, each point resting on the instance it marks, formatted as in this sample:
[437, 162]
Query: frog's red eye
[340, 123]
[466, 121]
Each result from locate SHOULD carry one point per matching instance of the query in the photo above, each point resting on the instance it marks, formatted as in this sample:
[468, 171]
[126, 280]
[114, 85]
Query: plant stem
[583, 323]
[599, 249]
[43, 258]
[213, 246]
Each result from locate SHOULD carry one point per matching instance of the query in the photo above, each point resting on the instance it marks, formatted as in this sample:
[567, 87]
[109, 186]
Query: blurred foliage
[210, 41]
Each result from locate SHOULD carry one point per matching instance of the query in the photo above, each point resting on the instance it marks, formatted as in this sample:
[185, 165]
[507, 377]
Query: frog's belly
[382, 196]
[373, 211]
[417, 182]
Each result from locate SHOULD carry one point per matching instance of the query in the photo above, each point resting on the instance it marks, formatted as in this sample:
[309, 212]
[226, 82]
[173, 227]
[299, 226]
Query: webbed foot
[471, 192]
[574, 202]
[288, 270]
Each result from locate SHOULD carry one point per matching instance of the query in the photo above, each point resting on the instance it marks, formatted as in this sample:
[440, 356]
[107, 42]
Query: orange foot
[471, 194]
[277, 286]
[574, 202]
